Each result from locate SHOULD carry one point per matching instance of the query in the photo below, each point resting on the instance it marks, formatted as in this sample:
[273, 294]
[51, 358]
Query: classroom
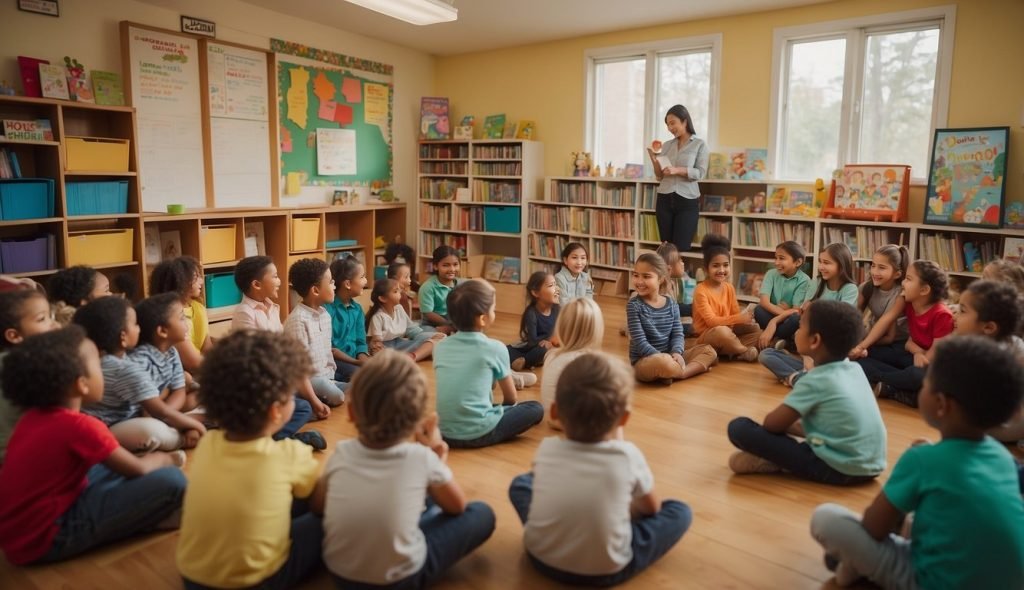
[677, 294]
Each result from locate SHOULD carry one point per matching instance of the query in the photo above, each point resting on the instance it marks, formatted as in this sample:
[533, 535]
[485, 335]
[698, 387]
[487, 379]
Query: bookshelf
[471, 197]
[598, 213]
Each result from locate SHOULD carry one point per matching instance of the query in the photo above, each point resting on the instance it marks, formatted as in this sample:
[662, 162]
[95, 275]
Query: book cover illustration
[152, 237]
[967, 179]
[170, 244]
[509, 270]
[19, 130]
[717, 166]
[79, 86]
[1013, 250]
[509, 132]
[29, 67]
[737, 165]
[255, 240]
[434, 122]
[729, 204]
[750, 283]
[756, 163]
[108, 88]
[776, 201]
[53, 82]
[713, 203]
[758, 204]
[525, 129]
[493, 267]
[494, 125]
[869, 187]
[799, 203]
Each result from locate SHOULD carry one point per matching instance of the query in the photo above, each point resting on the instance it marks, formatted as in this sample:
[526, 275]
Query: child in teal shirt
[435, 290]
[968, 529]
[348, 323]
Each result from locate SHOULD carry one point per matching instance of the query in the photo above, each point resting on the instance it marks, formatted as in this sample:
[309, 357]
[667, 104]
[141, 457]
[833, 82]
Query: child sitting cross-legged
[67, 485]
[968, 526]
[242, 526]
[376, 531]
[717, 319]
[388, 325]
[580, 327]
[832, 408]
[111, 324]
[310, 324]
[588, 507]
[537, 326]
[467, 364]
[162, 325]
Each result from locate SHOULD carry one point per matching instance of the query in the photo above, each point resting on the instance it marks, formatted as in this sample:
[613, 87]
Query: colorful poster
[967, 180]
[298, 97]
[375, 110]
[335, 152]
[434, 122]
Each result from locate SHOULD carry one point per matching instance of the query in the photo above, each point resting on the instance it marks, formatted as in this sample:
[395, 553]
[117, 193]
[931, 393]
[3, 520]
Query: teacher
[677, 206]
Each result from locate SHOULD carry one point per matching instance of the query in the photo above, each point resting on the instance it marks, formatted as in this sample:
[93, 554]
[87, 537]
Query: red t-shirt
[933, 324]
[48, 456]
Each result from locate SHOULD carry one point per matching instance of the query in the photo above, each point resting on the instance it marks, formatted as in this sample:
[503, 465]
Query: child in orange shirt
[717, 319]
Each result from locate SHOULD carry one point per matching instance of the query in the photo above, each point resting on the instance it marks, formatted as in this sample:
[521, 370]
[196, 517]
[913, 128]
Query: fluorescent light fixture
[417, 12]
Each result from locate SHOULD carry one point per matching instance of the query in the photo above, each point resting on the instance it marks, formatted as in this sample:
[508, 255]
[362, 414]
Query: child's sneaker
[779, 345]
[742, 462]
[311, 438]
[523, 380]
[749, 356]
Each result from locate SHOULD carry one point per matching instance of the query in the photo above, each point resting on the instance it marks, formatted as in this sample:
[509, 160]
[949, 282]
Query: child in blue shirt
[348, 324]
[968, 528]
[832, 408]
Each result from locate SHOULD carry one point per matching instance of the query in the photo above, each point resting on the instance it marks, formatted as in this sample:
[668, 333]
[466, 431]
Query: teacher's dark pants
[677, 219]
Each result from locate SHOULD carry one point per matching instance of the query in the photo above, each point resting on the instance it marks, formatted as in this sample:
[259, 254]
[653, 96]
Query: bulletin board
[335, 119]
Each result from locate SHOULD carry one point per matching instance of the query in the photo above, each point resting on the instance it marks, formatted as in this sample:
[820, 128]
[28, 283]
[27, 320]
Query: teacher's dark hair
[683, 115]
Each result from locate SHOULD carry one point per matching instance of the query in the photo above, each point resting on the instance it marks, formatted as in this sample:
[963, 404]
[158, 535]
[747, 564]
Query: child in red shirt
[67, 485]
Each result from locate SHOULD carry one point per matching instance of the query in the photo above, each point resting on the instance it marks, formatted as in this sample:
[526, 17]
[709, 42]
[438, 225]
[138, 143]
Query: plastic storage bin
[97, 198]
[100, 246]
[305, 233]
[221, 290]
[26, 198]
[33, 254]
[96, 154]
[217, 243]
[502, 219]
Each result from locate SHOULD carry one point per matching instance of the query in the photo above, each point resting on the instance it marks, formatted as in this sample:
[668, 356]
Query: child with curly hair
[73, 287]
[183, 276]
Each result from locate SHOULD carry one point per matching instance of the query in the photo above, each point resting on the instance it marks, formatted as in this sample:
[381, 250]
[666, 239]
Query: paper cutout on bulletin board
[336, 152]
[322, 87]
[298, 97]
[352, 89]
[327, 109]
[293, 184]
[375, 108]
[286, 141]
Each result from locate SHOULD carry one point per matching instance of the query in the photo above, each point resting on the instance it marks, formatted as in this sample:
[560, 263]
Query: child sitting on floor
[376, 531]
[67, 485]
[675, 287]
[73, 287]
[717, 319]
[588, 506]
[882, 302]
[831, 408]
[580, 327]
[256, 277]
[242, 525]
[348, 324]
[968, 526]
[537, 326]
[310, 324]
[388, 325]
[467, 364]
[183, 276]
[163, 326]
[402, 272]
[572, 279]
[435, 290]
[783, 289]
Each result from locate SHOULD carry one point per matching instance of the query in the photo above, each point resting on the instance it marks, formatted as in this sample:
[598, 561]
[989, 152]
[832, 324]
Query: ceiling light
[417, 12]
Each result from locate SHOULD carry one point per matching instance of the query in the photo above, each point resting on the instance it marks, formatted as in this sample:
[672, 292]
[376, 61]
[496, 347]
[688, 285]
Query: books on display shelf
[455, 168]
[440, 189]
[649, 228]
[707, 226]
[862, 241]
[574, 193]
[496, 192]
[430, 241]
[612, 224]
[498, 152]
[549, 218]
[768, 234]
[498, 168]
[9, 165]
[1013, 250]
[435, 216]
[650, 196]
[548, 267]
[510, 268]
[470, 219]
[455, 151]
[614, 253]
[616, 196]
[494, 126]
[749, 283]
[546, 245]
[955, 254]
[579, 221]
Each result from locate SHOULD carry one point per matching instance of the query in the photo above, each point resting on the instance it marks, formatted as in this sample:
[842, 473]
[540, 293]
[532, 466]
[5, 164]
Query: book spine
[15, 166]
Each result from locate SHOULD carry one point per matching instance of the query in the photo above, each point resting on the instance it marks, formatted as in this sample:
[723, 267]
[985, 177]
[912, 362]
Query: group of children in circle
[587, 505]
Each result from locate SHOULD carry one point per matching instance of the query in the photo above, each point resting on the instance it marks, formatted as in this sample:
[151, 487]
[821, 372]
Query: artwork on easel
[967, 179]
[874, 192]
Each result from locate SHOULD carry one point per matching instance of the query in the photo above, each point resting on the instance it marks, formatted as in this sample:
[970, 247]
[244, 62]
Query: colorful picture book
[494, 126]
[712, 203]
[434, 123]
[80, 89]
[1013, 250]
[525, 129]
[1014, 216]
[53, 81]
[870, 191]
[509, 132]
[967, 179]
[798, 203]
[509, 270]
[29, 67]
[717, 166]
[749, 283]
[633, 171]
[729, 204]
[777, 201]
[18, 130]
[108, 88]
[743, 164]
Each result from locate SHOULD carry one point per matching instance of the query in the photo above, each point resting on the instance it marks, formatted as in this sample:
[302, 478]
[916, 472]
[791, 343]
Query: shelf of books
[614, 219]
[472, 196]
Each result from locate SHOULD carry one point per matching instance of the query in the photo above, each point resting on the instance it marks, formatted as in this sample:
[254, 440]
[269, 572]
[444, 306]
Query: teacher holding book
[681, 162]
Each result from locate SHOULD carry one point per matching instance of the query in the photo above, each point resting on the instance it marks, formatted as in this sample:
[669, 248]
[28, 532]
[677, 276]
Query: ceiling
[493, 24]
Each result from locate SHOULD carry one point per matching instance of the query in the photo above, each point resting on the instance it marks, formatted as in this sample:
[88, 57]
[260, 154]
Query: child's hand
[920, 360]
[765, 340]
[784, 305]
[446, 330]
[321, 410]
[679, 359]
[545, 344]
[190, 439]
[429, 435]
[376, 346]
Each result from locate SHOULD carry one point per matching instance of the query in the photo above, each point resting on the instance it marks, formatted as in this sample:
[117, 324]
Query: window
[629, 89]
[870, 90]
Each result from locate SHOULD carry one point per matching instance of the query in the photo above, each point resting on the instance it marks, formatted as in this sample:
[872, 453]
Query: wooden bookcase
[578, 209]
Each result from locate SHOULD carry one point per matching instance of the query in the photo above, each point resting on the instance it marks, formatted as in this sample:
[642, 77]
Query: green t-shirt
[840, 418]
[782, 289]
[466, 365]
[433, 296]
[968, 527]
[847, 293]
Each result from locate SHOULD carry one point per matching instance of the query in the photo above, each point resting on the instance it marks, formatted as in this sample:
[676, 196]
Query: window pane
[814, 100]
[899, 85]
[619, 112]
[684, 79]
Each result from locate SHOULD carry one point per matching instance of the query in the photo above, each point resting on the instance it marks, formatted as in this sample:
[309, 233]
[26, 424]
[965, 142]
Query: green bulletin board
[333, 98]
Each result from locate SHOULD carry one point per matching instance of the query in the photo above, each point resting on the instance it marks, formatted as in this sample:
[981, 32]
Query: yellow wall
[545, 82]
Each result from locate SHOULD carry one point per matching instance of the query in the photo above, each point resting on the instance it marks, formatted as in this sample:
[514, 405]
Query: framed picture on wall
[967, 178]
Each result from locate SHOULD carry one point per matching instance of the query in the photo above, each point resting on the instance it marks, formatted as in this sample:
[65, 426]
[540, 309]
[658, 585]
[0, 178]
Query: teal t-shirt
[968, 527]
[433, 296]
[466, 365]
[782, 289]
[348, 327]
[840, 417]
[847, 293]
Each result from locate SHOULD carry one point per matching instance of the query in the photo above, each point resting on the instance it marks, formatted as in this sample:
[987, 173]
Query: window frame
[855, 31]
[650, 52]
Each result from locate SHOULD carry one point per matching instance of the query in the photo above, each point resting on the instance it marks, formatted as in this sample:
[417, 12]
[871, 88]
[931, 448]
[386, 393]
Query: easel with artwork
[872, 192]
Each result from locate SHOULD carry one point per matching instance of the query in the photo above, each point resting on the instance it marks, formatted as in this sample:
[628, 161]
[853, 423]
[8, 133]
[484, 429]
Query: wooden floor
[748, 532]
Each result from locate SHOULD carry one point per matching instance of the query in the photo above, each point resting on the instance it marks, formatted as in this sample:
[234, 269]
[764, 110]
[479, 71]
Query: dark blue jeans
[534, 356]
[302, 413]
[307, 534]
[893, 365]
[677, 219]
[344, 371]
[762, 316]
[516, 420]
[449, 537]
[785, 329]
[653, 536]
[788, 453]
[112, 507]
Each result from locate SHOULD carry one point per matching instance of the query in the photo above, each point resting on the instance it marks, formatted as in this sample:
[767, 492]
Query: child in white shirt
[388, 324]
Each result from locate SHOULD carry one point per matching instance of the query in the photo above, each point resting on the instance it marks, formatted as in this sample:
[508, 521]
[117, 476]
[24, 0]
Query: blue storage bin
[29, 255]
[26, 198]
[502, 219]
[108, 197]
[221, 290]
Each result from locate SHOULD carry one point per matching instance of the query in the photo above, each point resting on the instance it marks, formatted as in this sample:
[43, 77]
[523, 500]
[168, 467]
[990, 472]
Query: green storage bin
[502, 219]
[221, 290]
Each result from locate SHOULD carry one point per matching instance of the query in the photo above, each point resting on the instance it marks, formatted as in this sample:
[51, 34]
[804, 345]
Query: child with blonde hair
[376, 531]
[717, 319]
[580, 327]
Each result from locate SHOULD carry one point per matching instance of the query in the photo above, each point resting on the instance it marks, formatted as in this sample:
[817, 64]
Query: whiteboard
[166, 93]
[238, 91]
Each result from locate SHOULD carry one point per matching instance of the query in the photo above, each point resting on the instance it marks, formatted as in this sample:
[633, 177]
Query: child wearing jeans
[66, 485]
[588, 506]
[467, 364]
[310, 324]
[376, 531]
[242, 526]
[831, 408]
[968, 526]
[388, 325]
[537, 326]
